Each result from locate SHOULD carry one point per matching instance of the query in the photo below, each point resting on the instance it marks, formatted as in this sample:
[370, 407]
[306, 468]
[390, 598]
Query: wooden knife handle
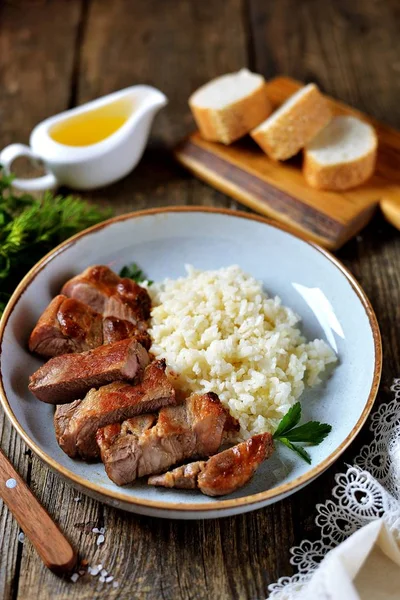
[53, 548]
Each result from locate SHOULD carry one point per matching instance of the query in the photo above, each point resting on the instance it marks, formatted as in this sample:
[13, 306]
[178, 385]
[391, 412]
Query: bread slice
[228, 107]
[341, 156]
[294, 124]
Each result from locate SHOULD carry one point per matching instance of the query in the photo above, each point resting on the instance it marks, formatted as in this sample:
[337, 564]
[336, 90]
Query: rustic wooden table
[56, 54]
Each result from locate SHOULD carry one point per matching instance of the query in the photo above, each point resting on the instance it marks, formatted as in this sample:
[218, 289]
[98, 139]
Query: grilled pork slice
[76, 425]
[183, 478]
[223, 473]
[110, 295]
[66, 326]
[115, 330]
[70, 376]
[194, 428]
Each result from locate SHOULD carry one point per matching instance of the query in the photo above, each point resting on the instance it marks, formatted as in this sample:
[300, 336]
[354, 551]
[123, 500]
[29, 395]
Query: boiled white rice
[219, 331]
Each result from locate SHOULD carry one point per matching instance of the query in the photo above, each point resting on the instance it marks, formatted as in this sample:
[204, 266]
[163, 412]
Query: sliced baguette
[341, 156]
[228, 107]
[294, 124]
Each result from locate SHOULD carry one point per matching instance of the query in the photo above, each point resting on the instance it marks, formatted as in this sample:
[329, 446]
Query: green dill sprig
[312, 433]
[133, 271]
[30, 227]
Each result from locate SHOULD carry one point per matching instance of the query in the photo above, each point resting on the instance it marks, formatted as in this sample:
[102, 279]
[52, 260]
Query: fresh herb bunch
[31, 227]
[133, 271]
[312, 433]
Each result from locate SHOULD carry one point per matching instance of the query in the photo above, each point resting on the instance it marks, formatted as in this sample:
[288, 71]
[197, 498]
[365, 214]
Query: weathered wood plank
[350, 49]
[352, 52]
[124, 44]
[36, 56]
[186, 44]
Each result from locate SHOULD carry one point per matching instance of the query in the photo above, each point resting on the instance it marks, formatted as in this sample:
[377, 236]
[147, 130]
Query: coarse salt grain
[21, 537]
[102, 579]
[104, 572]
[11, 483]
[95, 530]
[115, 584]
[74, 577]
[109, 578]
[100, 540]
[77, 499]
[102, 530]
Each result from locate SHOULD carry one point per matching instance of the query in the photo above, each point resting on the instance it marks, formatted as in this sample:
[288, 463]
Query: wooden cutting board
[278, 189]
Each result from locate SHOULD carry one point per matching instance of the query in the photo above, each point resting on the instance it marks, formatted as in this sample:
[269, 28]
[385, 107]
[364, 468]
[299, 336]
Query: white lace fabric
[367, 491]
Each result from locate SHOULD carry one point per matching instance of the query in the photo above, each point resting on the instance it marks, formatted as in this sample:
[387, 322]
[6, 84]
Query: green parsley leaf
[30, 227]
[290, 420]
[133, 271]
[298, 449]
[312, 432]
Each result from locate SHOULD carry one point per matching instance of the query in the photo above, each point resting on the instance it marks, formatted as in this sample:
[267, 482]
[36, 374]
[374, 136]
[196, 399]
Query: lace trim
[368, 490]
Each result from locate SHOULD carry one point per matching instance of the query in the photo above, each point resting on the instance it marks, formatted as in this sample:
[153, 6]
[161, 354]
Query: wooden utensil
[279, 190]
[52, 547]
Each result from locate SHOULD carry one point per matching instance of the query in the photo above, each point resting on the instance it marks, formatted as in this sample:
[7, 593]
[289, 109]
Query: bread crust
[292, 130]
[339, 176]
[232, 122]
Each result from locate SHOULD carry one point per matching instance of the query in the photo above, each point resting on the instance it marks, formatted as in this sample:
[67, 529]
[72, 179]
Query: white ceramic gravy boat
[97, 164]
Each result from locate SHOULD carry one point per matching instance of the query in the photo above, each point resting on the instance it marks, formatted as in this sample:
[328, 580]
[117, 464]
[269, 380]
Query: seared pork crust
[112, 403]
[223, 473]
[70, 376]
[109, 294]
[194, 428]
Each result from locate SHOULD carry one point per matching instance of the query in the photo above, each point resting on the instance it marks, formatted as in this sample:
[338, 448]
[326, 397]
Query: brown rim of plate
[275, 492]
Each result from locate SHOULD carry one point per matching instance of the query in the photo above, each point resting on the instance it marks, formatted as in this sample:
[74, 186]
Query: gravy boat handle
[38, 184]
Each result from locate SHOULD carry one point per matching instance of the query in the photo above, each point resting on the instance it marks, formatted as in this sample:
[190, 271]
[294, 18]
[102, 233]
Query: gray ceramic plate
[308, 279]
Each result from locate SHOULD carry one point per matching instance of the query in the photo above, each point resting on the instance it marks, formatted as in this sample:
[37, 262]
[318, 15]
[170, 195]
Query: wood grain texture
[279, 190]
[152, 558]
[176, 51]
[349, 49]
[352, 50]
[48, 541]
[37, 43]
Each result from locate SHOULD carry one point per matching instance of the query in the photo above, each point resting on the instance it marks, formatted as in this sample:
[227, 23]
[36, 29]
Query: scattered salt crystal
[115, 584]
[94, 570]
[77, 499]
[104, 572]
[82, 572]
[102, 530]
[95, 530]
[100, 566]
[11, 483]
[102, 579]
[109, 578]
[21, 537]
[74, 577]
[100, 540]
